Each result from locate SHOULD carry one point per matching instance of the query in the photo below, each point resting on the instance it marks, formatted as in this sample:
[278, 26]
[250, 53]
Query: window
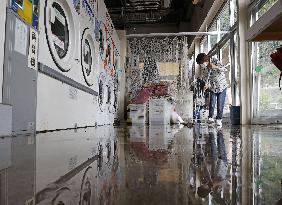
[226, 60]
[204, 45]
[260, 8]
[267, 75]
[224, 19]
[212, 39]
[265, 7]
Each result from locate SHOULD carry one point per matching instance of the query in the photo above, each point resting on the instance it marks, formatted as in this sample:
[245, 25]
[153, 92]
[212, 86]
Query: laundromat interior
[140, 102]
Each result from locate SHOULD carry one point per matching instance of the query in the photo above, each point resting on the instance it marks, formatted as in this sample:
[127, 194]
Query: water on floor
[143, 165]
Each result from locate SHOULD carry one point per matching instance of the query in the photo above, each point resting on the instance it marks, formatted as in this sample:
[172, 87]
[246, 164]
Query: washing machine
[89, 48]
[104, 117]
[111, 97]
[59, 37]
[108, 91]
[67, 53]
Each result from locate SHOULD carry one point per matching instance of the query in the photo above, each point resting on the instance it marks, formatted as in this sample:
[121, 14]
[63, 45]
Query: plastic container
[159, 111]
[235, 115]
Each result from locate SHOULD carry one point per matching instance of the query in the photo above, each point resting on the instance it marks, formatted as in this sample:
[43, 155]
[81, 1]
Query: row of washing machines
[78, 59]
[77, 38]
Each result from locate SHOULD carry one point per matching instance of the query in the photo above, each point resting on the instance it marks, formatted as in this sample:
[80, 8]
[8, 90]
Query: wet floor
[143, 165]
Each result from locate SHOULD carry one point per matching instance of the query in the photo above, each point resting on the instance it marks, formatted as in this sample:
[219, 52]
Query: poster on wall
[20, 37]
[28, 10]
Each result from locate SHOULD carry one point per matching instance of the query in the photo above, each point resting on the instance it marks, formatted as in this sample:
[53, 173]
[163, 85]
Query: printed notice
[33, 49]
[20, 37]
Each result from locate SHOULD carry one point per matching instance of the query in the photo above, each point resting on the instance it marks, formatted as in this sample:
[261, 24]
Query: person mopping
[214, 77]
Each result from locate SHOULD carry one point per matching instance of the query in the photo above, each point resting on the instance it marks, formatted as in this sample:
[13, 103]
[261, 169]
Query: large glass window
[224, 19]
[266, 80]
[212, 39]
[204, 45]
[226, 60]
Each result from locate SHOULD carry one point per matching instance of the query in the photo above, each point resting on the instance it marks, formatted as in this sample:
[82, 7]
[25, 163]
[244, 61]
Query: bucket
[235, 115]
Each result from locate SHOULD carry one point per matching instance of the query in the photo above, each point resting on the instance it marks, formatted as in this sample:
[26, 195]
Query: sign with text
[33, 50]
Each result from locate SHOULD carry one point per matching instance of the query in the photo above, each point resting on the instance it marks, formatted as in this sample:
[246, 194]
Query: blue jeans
[220, 99]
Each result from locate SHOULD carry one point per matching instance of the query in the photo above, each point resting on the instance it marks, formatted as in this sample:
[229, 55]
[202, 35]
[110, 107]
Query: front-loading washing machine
[89, 48]
[111, 97]
[68, 61]
[59, 35]
[103, 114]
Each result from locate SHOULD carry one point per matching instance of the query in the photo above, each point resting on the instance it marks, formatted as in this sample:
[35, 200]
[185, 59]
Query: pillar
[244, 64]
[122, 81]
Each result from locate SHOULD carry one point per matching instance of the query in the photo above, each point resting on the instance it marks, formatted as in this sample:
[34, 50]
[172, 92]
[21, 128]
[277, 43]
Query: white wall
[2, 40]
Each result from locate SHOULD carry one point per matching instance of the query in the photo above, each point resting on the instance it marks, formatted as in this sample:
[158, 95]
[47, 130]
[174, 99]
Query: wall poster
[28, 10]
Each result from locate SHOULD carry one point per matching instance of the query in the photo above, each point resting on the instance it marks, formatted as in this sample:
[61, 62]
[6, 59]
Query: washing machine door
[102, 42]
[111, 96]
[60, 20]
[88, 57]
[102, 98]
[108, 57]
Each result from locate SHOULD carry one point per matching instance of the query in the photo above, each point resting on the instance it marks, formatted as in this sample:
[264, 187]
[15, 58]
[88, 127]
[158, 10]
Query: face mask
[205, 64]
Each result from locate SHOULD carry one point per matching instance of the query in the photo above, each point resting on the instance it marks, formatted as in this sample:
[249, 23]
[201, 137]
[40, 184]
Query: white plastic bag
[175, 118]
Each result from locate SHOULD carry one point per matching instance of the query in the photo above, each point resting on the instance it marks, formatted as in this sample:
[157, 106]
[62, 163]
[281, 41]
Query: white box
[160, 110]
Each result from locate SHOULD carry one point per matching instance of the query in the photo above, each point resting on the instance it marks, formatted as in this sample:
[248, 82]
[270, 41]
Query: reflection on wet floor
[143, 165]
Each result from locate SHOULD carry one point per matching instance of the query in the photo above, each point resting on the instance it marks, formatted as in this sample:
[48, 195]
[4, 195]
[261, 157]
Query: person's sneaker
[210, 120]
[219, 122]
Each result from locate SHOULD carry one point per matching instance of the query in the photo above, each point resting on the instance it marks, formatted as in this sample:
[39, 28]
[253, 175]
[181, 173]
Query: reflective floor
[143, 165]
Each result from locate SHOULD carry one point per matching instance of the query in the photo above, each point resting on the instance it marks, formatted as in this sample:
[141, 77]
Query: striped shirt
[215, 77]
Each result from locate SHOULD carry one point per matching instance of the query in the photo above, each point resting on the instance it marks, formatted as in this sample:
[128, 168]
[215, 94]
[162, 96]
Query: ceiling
[127, 13]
